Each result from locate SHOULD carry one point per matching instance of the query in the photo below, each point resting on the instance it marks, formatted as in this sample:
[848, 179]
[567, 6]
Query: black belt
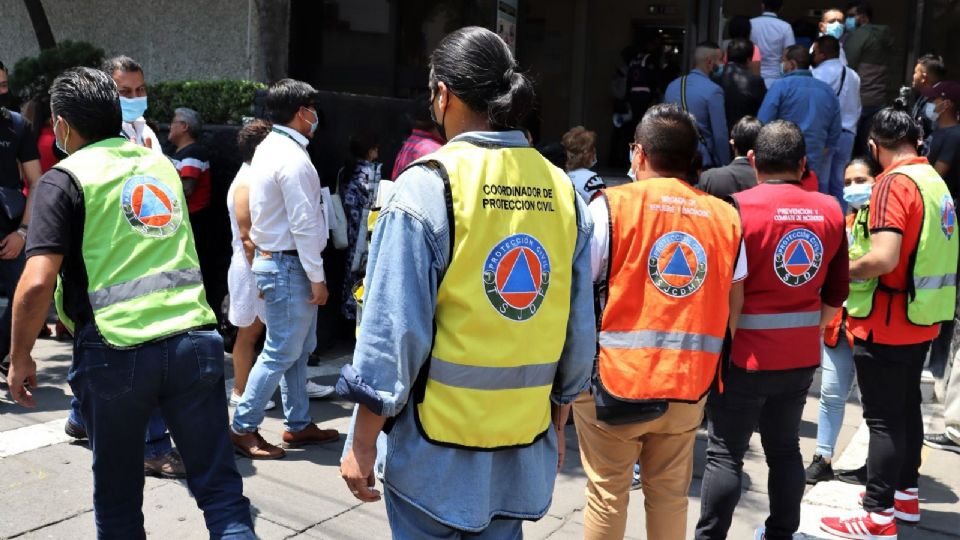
[291, 252]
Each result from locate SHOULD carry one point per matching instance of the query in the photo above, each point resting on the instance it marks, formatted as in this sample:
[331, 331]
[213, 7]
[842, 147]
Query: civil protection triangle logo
[150, 207]
[798, 257]
[677, 264]
[516, 276]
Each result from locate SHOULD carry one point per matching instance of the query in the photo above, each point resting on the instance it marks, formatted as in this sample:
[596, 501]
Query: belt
[290, 252]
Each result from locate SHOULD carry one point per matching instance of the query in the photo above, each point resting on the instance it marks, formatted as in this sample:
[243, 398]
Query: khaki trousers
[664, 448]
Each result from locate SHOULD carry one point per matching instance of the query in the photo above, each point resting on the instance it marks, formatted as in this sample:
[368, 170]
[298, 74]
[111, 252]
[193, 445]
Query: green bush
[218, 102]
[32, 76]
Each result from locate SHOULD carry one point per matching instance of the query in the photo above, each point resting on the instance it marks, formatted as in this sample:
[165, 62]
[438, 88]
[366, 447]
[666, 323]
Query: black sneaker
[74, 430]
[856, 476]
[4, 369]
[819, 471]
[940, 441]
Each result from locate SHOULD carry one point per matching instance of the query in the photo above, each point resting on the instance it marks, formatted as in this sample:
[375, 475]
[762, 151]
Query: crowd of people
[496, 296]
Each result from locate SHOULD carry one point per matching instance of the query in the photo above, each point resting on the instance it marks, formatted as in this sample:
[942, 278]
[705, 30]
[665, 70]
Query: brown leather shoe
[253, 446]
[309, 435]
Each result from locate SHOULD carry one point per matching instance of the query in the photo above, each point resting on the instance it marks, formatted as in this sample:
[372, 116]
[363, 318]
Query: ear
[443, 96]
[639, 159]
[752, 156]
[803, 166]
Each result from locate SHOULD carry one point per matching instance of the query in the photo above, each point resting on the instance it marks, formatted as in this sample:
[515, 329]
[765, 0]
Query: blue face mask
[315, 123]
[56, 141]
[850, 23]
[132, 108]
[630, 173]
[857, 195]
[834, 29]
[782, 71]
[718, 70]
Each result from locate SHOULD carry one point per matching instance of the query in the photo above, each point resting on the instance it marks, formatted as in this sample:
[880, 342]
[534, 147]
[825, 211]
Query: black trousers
[773, 400]
[889, 379]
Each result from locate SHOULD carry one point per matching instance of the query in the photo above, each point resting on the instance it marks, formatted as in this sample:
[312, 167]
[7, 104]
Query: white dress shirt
[772, 35]
[285, 201]
[139, 132]
[831, 72]
[600, 244]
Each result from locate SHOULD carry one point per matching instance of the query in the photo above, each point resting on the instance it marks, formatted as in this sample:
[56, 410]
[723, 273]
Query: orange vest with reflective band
[673, 250]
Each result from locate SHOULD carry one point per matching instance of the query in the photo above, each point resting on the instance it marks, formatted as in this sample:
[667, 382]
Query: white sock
[882, 518]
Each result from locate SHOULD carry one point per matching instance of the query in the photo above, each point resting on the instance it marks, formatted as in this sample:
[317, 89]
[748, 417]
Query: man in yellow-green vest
[902, 287]
[111, 222]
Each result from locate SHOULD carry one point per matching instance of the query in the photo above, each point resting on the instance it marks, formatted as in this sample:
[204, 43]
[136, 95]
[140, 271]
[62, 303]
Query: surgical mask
[593, 163]
[630, 173]
[857, 195]
[930, 111]
[850, 24]
[132, 108]
[56, 141]
[834, 29]
[315, 123]
[782, 70]
[718, 70]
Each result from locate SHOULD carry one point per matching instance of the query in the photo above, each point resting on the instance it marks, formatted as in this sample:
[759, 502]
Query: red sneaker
[906, 506]
[861, 527]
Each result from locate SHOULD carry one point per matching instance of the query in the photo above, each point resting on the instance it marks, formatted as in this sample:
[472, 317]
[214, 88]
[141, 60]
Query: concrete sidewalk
[46, 483]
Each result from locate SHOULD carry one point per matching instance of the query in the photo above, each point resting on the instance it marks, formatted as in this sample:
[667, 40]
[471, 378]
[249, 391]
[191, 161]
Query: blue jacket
[809, 103]
[705, 101]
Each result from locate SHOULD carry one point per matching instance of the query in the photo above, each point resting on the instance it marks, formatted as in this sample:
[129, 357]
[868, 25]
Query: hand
[11, 246]
[357, 471]
[318, 293]
[22, 371]
[561, 447]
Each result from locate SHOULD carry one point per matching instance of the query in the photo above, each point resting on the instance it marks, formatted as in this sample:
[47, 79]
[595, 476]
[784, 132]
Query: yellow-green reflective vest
[932, 287]
[503, 304]
[859, 245]
[143, 277]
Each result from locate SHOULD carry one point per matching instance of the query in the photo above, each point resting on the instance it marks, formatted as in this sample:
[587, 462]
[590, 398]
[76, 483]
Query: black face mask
[8, 101]
[433, 118]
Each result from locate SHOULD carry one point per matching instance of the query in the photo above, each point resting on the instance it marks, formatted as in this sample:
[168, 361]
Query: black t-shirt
[945, 146]
[56, 227]
[16, 145]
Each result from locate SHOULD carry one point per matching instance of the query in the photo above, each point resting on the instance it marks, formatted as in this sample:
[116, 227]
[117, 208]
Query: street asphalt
[46, 483]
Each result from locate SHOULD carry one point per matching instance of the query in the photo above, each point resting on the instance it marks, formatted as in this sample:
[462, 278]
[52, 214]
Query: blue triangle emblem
[520, 279]
[799, 256]
[678, 265]
[151, 205]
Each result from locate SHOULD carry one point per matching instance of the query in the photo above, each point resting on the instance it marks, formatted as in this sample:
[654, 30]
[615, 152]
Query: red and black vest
[790, 235]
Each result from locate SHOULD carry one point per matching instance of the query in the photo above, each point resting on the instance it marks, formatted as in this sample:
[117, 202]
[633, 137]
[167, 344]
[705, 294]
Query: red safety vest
[672, 254]
[791, 235]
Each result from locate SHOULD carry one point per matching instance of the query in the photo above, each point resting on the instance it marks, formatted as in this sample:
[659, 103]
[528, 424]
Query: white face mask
[930, 111]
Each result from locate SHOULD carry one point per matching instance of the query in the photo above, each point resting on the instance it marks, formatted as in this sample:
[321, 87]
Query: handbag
[338, 223]
[616, 412]
[12, 205]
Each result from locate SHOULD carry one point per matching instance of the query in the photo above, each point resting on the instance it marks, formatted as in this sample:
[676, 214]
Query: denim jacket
[408, 257]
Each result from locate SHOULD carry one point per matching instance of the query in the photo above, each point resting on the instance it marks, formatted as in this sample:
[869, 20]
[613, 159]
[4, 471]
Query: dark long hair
[478, 67]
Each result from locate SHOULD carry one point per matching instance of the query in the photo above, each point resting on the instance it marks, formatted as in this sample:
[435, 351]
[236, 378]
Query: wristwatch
[22, 230]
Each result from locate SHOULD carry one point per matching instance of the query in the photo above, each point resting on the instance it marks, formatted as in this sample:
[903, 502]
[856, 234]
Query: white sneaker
[760, 533]
[953, 433]
[317, 391]
[235, 400]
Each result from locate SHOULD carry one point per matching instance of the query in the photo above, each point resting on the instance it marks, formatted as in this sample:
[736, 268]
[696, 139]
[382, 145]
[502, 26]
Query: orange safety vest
[673, 250]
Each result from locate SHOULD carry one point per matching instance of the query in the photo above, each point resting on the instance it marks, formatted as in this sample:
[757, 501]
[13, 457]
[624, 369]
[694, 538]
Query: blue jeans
[407, 522]
[836, 382]
[291, 337]
[118, 392]
[157, 440]
[839, 158]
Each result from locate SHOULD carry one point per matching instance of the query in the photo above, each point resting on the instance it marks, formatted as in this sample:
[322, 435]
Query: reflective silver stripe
[935, 282]
[492, 378]
[651, 339]
[135, 288]
[778, 321]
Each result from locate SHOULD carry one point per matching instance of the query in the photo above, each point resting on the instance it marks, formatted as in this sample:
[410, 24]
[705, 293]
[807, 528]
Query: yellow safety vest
[503, 304]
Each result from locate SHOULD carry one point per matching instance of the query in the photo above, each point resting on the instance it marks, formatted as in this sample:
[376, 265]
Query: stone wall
[172, 39]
